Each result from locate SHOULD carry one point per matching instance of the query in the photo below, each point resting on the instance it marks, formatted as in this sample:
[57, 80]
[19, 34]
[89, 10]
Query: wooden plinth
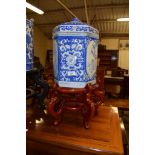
[86, 100]
[70, 138]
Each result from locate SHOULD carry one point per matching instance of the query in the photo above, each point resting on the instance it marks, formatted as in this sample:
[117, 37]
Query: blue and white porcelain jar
[75, 50]
[29, 45]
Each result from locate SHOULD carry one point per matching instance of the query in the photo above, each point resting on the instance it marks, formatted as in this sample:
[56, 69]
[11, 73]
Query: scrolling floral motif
[72, 58]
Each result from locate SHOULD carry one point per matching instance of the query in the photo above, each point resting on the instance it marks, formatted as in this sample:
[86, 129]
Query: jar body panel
[75, 61]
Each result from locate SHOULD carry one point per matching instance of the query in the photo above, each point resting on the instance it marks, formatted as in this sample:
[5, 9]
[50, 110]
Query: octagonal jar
[75, 50]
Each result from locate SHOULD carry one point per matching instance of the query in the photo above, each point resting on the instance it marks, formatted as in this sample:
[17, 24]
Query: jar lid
[75, 26]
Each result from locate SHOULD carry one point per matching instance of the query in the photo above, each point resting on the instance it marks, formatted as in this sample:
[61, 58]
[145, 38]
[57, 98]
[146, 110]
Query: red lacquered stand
[85, 100]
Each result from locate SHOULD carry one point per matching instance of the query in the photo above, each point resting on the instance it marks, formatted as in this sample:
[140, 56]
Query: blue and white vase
[29, 45]
[75, 51]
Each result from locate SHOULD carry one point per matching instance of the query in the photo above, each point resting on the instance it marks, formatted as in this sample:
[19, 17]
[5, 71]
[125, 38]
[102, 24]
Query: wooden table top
[120, 103]
[103, 137]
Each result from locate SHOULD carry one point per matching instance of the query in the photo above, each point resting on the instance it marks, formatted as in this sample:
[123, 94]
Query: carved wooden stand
[85, 100]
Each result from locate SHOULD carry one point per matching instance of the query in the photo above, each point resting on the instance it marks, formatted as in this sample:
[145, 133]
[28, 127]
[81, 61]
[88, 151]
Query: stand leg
[87, 110]
[99, 99]
[55, 109]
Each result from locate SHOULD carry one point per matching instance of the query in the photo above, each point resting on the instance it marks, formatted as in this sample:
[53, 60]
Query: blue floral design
[29, 45]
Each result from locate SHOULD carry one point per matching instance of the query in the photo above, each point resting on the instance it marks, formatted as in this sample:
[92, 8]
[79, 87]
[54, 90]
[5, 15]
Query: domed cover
[75, 26]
